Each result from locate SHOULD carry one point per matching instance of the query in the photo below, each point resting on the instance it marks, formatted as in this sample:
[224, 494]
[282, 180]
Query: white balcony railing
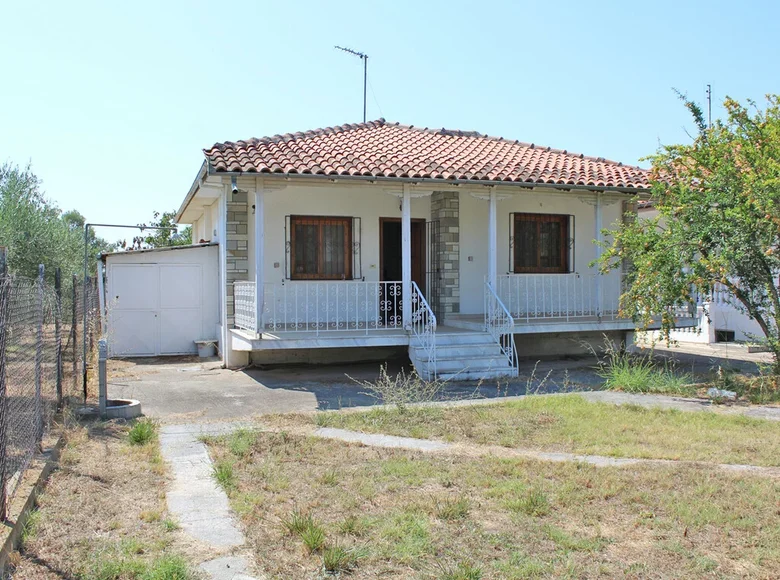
[560, 296]
[327, 306]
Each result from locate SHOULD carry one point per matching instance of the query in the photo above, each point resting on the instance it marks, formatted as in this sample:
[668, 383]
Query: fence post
[74, 332]
[102, 377]
[5, 305]
[58, 332]
[39, 359]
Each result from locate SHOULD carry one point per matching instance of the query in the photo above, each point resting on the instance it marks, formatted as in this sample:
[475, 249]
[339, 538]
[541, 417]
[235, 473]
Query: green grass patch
[142, 432]
[417, 516]
[223, 473]
[570, 423]
[461, 571]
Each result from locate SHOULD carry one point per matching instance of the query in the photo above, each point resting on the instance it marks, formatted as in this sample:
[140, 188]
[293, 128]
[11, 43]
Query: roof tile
[391, 150]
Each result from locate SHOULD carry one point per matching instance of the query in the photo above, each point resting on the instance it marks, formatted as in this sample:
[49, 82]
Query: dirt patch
[103, 512]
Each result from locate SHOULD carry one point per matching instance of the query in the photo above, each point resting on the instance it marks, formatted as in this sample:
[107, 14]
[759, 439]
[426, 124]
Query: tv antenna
[709, 106]
[364, 58]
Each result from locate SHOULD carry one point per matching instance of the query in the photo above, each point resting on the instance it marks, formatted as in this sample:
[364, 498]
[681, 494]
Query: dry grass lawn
[569, 423]
[309, 504]
[103, 515]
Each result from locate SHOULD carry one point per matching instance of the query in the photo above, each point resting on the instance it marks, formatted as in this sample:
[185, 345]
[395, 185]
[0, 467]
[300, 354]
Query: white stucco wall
[370, 202]
[204, 256]
[474, 240]
[367, 202]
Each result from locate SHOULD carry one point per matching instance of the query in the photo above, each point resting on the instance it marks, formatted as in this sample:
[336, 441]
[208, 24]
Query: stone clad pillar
[237, 249]
[445, 209]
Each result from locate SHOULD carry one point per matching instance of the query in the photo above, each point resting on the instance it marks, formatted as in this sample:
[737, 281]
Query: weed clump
[142, 432]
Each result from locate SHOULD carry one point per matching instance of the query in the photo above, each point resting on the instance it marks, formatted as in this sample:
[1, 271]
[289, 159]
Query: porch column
[492, 240]
[259, 255]
[406, 256]
[597, 222]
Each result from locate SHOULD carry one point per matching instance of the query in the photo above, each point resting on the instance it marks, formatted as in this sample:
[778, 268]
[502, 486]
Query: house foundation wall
[326, 356]
[565, 343]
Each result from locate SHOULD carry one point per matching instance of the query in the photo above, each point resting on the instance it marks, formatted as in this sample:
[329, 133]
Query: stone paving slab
[196, 501]
[227, 568]
[381, 440]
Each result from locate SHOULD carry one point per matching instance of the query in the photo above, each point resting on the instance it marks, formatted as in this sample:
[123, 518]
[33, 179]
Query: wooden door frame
[382, 221]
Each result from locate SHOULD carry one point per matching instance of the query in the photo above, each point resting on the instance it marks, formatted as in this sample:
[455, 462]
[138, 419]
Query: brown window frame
[321, 221]
[539, 218]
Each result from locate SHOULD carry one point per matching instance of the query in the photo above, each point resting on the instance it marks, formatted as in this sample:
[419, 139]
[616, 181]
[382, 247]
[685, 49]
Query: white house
[465, 249]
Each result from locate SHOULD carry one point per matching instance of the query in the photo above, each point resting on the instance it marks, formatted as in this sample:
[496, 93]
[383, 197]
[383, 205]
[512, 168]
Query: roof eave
[431, 180]
[205, 169]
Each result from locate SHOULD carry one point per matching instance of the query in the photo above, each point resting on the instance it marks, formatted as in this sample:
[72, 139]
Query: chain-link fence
[41, 364]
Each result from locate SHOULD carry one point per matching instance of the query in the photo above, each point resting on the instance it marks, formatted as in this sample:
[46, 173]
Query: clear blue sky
[112, 102]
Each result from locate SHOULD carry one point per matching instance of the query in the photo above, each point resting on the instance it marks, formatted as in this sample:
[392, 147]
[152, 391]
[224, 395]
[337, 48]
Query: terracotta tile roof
[391, 150]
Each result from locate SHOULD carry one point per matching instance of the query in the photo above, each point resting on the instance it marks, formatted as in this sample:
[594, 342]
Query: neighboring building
[466, 249]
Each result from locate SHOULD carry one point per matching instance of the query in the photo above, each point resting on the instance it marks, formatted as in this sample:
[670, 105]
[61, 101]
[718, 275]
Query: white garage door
[154, 309]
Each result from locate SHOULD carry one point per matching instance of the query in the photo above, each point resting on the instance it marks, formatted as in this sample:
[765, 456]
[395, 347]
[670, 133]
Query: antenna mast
[709, 106]
[364, 58]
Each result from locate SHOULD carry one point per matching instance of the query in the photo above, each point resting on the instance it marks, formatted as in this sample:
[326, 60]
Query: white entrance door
[154, 309]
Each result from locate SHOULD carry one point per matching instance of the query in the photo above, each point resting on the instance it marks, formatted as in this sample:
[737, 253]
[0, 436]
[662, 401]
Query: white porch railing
[561, 296]
[245, 305]
[334, 306]
[293, 306]
[500, 324]
[423, 329]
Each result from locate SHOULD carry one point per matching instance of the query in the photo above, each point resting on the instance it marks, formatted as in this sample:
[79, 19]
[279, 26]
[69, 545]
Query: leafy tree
[164, 238]
[718, 222]
[36, 231]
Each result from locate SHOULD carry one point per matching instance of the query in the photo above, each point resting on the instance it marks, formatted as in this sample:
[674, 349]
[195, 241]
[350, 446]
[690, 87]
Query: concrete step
[464, 338]
[477, 375]
[455, 365]
[460, 350]
[481, 363]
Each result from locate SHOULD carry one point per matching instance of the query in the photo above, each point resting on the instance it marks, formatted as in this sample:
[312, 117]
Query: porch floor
[245, 340]
[556, 324]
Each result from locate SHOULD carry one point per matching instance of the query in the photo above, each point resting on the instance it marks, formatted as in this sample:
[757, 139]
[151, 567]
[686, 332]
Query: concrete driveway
[187, 389]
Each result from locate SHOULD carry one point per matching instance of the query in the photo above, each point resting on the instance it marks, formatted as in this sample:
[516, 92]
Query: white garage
[160, 301]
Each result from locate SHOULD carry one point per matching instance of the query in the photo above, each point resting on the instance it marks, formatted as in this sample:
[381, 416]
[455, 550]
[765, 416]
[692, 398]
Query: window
[321, 248]
[540, 243]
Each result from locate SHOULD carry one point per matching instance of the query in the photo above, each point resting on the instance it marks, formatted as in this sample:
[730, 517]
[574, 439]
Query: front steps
[463, 356]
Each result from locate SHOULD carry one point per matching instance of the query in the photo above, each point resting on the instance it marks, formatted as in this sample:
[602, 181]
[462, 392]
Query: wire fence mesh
[41, 364]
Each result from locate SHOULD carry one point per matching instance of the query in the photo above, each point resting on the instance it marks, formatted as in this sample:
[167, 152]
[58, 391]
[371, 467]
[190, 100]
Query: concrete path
[195, 500]
[682, 404]
[373, 440]
[426, 445]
